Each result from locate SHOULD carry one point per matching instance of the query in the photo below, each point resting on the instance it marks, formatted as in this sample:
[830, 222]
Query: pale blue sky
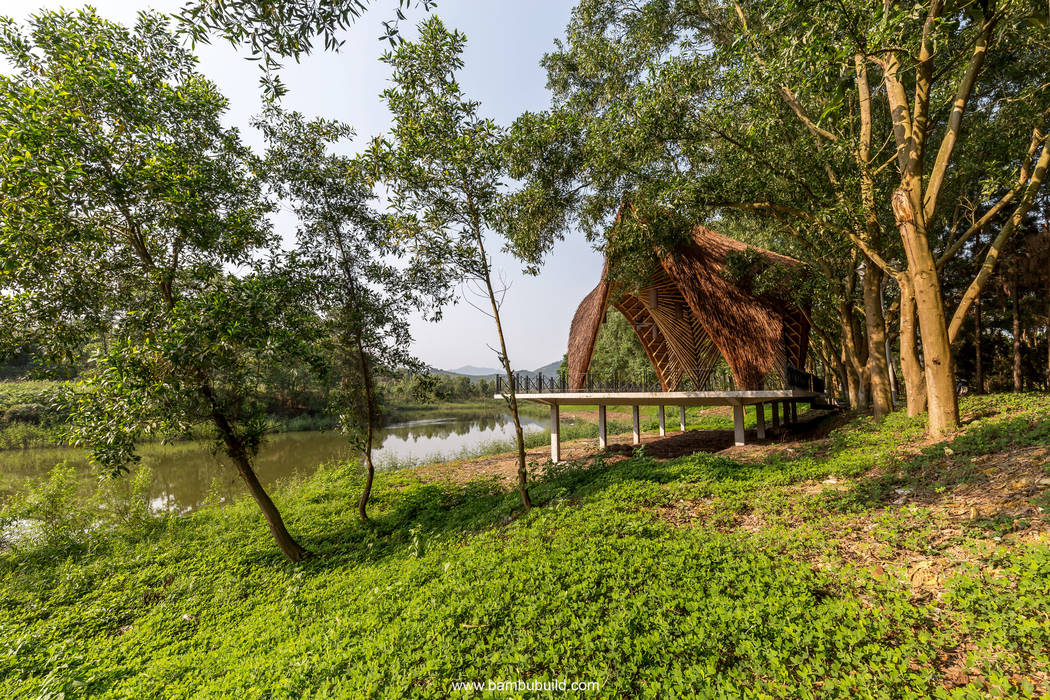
[506, 39]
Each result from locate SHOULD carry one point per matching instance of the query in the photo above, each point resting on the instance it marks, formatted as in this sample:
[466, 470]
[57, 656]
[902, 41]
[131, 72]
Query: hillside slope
[869, 563]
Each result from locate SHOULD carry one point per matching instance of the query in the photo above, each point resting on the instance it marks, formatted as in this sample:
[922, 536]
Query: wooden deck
[782, 402]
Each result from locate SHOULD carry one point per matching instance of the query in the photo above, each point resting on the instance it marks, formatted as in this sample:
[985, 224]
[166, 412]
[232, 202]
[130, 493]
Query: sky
[506, 40]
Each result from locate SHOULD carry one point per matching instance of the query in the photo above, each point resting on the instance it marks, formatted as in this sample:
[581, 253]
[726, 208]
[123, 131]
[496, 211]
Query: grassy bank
[866, 564]
[399, 411]
[30, 418]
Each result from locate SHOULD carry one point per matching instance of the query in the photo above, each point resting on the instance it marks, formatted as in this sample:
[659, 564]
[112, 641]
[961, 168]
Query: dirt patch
[591, 414]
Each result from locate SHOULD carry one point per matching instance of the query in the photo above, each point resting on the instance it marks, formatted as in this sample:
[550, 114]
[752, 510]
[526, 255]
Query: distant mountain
[548, 370]
[488, 373]
[472, 371]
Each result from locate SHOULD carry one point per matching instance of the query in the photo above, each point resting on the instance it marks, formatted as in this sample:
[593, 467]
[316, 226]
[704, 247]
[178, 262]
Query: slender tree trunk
[239, 455]
[512, 398]
[937, 351]
[854, 386]
[878, 363]
[854, 355]
[978, 329]
[1015, 303]
[877, 366]
[978, 335]
[895, 389]
[370, 470]
[911, 367]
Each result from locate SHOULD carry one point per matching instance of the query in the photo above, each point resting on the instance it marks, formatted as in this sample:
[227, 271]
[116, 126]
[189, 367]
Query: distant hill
[473, 372]
[548, 370]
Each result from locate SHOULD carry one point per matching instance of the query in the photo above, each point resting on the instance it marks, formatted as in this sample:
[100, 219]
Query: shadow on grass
[404, 511]
[974, 458]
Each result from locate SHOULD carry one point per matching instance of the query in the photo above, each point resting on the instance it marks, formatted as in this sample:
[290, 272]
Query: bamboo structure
[688, 314]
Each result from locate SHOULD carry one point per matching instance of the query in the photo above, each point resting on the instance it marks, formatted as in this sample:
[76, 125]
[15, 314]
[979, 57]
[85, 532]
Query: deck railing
[719, 380]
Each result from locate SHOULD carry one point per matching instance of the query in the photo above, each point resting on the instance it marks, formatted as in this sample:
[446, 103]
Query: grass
[784, 575]
[697, 418]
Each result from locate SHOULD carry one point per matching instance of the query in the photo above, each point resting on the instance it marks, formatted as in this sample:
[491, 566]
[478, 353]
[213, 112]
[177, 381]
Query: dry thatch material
[689, 313]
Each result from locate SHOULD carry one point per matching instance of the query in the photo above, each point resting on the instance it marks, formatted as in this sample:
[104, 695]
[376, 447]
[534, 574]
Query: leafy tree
[124, 205]
[659, 102]
[618, 351]
[445, 168]
[781, 111]
[347, 251]
[273, 30]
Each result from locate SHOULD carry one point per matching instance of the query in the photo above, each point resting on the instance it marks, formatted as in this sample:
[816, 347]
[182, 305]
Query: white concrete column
[663, 423]
[738, 424]
[637, 425]
[760, 420]
[603, 437]
[555, 434]
[774, 408]
[681, 417]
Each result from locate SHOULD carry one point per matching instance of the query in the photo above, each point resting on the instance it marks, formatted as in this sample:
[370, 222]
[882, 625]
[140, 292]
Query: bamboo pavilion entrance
[692, 318]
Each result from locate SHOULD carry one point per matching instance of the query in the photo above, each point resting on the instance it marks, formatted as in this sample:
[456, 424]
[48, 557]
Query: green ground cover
[697, 418]
[788, 574]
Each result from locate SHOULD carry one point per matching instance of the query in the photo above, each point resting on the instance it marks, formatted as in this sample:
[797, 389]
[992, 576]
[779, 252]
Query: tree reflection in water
[185, 474]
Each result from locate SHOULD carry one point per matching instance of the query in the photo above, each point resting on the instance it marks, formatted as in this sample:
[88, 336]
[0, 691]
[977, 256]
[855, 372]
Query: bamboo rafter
[688, 314]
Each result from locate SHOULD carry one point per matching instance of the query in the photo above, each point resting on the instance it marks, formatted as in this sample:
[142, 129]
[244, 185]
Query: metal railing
[719, 380]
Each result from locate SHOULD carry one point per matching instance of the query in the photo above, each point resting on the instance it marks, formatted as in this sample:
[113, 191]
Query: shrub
[123, 503]
[56, 519]
[25, 413]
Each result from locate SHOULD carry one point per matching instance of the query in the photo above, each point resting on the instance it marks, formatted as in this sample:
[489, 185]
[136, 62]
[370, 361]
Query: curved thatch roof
[689, 313]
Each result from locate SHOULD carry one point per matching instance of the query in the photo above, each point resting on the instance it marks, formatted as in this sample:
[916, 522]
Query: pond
[186, 473]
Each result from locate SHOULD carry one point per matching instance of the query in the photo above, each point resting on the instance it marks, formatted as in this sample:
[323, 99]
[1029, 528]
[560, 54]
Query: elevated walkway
[783, 407]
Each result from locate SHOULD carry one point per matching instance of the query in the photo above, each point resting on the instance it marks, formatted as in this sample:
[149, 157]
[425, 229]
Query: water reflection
[185, 474]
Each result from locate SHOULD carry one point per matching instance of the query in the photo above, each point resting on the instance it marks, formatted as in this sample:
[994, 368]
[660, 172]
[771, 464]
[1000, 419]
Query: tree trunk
[370, 470]
[937, 352]
[911, 367]
[854, 354]
[895, 389]
[978, 335]
[239, 455]
[878, 364]
[512, 398]
[978, 323]
[1015, 303]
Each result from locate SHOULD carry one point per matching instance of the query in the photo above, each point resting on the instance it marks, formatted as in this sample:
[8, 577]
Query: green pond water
[185, 473]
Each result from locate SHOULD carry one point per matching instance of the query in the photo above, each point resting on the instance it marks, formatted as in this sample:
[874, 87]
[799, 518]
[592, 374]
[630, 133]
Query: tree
[445, 169]
[781, 110]
[975, 57]
[674, 105]
[618, 352]
[124, 204]
[346, 250]
[273, 30]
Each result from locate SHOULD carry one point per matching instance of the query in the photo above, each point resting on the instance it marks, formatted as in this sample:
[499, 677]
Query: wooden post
[681, 417]
[794, 412]
[787, 412]
[663, 423]
[738, 424]
[760, 420]
[603, 437]
[774, 408]
[637, 425]
[555, 434]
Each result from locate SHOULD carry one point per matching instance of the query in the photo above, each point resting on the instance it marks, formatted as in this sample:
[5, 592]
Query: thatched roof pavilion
[689, 312]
